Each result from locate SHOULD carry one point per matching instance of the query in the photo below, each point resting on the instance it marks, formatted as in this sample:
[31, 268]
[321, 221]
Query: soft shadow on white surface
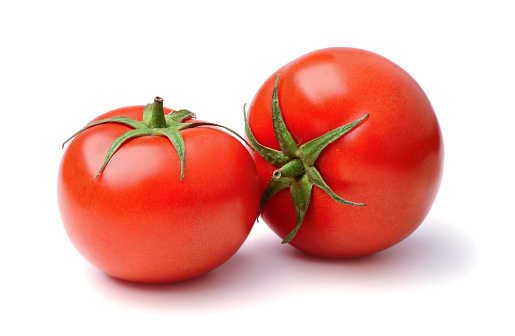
[264, 271]
[435, 254]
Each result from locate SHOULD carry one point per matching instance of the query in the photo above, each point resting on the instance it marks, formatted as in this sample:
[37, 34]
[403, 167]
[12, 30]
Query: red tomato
[138, 221]
[391, 161]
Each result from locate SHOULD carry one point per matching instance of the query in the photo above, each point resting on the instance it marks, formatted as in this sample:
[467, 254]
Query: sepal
[310, 151]
[282, 134]
[178, 143]
[179, 116]
[275, 157]
[272, 188]
[119, 141]
[316, 179]
[301, 196]
[119, 120]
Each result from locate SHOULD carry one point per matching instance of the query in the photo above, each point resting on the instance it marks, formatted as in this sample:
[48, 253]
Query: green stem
[293, 168]
[158, 114]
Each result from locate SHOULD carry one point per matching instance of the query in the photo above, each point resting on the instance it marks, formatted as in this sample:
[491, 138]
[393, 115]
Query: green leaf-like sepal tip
[155, 123]
[295, 163]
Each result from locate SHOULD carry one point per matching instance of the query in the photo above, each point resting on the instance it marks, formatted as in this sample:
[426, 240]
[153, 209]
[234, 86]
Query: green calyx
[295, 163]
[155, 123]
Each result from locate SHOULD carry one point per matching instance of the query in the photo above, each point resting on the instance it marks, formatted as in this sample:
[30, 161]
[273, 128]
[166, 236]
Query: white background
[64, 62]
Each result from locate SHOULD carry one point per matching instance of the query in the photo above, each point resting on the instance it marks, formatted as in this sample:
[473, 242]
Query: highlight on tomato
[349, 152]
[152, 197]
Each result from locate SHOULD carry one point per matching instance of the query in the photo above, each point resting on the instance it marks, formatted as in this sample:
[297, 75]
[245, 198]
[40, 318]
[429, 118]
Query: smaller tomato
[170, 200]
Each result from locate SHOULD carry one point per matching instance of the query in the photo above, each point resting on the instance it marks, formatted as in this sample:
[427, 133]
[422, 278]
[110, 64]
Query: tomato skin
[138, 221]
[393, 161]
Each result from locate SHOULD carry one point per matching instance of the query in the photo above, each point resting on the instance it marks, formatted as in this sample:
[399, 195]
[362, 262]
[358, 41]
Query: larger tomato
[137, 220]
[371, 186]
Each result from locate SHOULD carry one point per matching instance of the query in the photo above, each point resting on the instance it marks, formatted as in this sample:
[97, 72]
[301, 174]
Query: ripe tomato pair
[348, 158]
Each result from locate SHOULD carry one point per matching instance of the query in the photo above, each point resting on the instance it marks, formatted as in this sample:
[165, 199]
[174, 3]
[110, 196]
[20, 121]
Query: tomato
[137, 220]
[366, 188]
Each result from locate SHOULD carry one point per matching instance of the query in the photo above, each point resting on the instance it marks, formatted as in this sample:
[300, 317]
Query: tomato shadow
[436, 254]
[264, 271]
